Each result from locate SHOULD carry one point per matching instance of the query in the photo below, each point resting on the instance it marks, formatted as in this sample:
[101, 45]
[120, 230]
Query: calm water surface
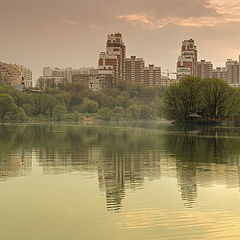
[119, 181]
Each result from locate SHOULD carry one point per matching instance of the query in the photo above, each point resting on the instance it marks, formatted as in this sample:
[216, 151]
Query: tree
[19, 114]
[44, 104]
[182, 99]
[218, 98]
[59, 112]
[88, 106]
[105, 113]
[211, 98]
[77, 116]
[7, 106]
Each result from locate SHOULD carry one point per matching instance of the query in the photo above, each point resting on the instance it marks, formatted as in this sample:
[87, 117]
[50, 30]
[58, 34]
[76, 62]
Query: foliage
[105, 113]
[211, 98]
[58, 112]
[7, 106]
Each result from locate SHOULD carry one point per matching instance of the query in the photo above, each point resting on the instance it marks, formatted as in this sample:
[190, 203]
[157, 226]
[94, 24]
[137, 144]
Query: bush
[105, 113]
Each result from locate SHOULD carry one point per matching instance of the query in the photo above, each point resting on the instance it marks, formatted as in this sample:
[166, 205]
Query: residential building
[135, 69]
[49, 82]
[166, 81]
[108, 65]
[69, 73]
[187, 62]
[233, 72]
[204, 69]
[115, 46]
[219, 73]
[11, 75]
[27, 75]
[152, 75]
[95, 84]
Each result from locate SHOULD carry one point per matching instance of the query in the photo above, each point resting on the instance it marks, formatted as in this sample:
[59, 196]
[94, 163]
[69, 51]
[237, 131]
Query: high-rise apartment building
[115, 46]
[108, 65]
[135, 70]
[219, 73]
[233, 72]
[152, 75]
[204, 69]
[187, 62]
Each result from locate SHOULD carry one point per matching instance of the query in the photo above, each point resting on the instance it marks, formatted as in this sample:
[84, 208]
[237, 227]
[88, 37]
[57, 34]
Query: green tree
[105, 113]
[182, 99]
[59, 112]
[77, 116]
[218, 98]
[7, 106]
[89, 106]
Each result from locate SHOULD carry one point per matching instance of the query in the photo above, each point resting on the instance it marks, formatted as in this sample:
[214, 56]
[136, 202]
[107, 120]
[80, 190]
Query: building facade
[27, 75]
[166, 81]
[233, 72]
[220, 73]
[49, 82]
[135, 70]
[152, 75]
[68, 74]
[187, 62]
[115, 46]
[11, 75]
[108, 65]
[204, 69]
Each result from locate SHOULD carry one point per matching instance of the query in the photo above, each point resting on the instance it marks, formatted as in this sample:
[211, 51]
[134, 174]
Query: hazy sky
[38, 33]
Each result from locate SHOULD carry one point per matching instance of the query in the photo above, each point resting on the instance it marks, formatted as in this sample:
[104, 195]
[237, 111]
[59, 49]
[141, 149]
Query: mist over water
[143, 180]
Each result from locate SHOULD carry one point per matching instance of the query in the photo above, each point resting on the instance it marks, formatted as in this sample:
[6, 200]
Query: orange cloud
[226, 11]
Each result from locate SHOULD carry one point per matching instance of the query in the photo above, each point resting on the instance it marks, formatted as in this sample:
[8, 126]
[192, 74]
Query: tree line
[74, 102]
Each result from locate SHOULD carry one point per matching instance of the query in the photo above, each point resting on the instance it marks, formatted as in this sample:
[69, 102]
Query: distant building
[69, 74]
[49, 82]
[112, 62]
[115, 46]
[166, 82]
[187, 62]
[233, 72]
[11, 75]
[219, 73]
[204, 69]
[135, 70]
[27, 75]
[95, 84]
[152, 75]
[108, 65]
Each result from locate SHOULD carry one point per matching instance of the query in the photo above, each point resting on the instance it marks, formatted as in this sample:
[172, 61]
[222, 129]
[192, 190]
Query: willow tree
[182, 99]
[219, 100]
[211, 98]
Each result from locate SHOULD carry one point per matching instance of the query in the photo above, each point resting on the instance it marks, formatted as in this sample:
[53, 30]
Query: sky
[71, 33]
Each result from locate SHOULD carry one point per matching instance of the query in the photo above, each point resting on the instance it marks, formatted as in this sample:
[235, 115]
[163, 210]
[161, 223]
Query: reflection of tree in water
[125, 157]
[204, 156]
[14, 162]
[120, 156]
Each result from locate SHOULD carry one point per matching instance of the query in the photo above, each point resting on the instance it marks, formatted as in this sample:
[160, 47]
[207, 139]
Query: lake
[135, 181]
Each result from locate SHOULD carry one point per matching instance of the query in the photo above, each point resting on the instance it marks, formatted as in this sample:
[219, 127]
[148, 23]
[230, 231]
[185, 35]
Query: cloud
[222, 12]
[96, 27]
[68, 22]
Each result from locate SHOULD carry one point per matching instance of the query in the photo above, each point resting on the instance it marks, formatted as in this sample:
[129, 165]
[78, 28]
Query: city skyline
[75, 34]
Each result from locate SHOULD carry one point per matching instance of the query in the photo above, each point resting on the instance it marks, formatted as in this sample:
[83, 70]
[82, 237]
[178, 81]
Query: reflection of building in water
[57, 162]
[126, 171]
[186, 175]
[192, 175]
[18, 163]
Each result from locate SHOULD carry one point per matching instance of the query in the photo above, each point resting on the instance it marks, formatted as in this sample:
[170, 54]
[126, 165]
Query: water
[119, 181]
